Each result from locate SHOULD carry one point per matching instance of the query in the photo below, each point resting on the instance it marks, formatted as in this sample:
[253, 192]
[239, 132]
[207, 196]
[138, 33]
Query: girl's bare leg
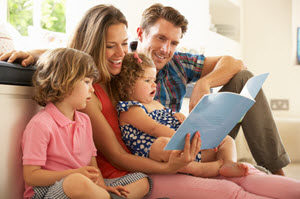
[157, 151]
[227, 153]
[207, 169]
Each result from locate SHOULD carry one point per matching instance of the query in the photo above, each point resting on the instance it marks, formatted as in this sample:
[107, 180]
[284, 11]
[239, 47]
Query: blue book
[216, 114]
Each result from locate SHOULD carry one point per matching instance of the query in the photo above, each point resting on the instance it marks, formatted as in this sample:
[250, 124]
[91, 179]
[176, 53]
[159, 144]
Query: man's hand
[24, 57]
[201, 88]
[179, 116]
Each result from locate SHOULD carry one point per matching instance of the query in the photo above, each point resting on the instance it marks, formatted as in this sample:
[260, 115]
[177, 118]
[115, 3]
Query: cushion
[15, 74]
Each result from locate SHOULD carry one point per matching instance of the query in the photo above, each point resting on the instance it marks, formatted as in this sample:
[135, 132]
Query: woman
[102, 34]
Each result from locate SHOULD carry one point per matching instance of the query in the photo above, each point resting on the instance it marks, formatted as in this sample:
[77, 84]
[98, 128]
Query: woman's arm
[35, 176]
[106, 142]
[26, 58]
[138, 118]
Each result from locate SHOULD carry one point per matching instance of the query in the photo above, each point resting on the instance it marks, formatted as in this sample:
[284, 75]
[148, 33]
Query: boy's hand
[180, 116]
[91, 172]
[119, 190]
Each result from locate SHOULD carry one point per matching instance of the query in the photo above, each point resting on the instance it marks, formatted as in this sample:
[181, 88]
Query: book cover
[216, 114]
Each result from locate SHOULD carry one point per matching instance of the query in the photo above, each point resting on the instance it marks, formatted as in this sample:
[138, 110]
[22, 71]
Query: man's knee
[242, 75]
[237, 82]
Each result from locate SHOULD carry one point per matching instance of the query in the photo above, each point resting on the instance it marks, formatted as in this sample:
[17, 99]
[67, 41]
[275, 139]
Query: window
[46, 14]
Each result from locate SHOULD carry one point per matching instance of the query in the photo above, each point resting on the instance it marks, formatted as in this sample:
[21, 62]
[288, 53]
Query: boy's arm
[138, 118]
[35, 176]
[100, 180]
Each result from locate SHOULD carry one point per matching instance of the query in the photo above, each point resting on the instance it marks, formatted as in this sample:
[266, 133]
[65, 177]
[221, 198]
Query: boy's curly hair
[133, 66]
[58, 70]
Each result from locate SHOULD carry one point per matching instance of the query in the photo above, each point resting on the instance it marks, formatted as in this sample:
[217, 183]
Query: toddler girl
[147, 125]
[58, 148]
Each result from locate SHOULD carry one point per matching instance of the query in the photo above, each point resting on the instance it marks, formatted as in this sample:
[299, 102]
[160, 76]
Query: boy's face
[160, 41]
[81, 93]
[145, 87]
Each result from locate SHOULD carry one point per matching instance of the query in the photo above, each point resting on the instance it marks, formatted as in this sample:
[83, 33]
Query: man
[159, 34]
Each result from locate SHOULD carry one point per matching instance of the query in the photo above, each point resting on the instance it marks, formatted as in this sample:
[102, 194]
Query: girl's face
[116, 47]
[81, 93]
[145, 87]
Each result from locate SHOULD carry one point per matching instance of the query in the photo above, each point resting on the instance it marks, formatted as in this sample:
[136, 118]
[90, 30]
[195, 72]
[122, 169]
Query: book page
[216, 114]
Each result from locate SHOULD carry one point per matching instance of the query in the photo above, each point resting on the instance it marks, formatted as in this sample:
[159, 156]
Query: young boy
[57, 144]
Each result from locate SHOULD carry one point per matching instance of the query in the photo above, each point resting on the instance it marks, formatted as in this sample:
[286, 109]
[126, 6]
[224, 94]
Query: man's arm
[216, 71]
[25, 58]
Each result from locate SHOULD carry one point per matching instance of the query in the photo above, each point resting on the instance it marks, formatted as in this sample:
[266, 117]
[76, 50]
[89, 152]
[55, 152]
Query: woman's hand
[179, 159]
[24, 57]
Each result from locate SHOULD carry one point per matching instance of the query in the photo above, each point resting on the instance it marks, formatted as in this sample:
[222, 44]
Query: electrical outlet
[280, 104]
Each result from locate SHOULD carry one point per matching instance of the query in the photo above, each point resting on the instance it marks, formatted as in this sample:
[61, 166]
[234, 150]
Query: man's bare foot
[279, 172]
[234, 169]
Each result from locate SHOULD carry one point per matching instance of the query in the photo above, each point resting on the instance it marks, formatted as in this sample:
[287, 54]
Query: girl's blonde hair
[90, 35]
[58, 70]
[133, 68]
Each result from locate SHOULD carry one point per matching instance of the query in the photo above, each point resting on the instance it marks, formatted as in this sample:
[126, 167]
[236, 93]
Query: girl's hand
[91, 172]
[179, 116]
[25, 57]
[179, 159]
[119, 190]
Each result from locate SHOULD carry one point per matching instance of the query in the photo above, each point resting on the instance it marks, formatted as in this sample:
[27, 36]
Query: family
[129, 107]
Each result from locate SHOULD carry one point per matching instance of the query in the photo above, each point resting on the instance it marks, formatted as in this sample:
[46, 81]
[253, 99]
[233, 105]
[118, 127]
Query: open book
[216, 114]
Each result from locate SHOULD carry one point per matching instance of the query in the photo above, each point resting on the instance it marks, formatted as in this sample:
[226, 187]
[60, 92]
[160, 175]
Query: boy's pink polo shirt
[56, 143]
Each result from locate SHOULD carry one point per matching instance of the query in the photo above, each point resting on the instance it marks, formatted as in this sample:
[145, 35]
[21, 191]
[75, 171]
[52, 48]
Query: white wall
[198, 36]
[267, 46]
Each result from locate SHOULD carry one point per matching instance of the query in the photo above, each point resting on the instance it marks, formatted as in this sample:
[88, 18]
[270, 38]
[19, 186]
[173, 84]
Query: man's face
[160, 41]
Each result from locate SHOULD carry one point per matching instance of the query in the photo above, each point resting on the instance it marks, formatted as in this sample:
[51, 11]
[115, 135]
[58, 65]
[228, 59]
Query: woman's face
[116, 47]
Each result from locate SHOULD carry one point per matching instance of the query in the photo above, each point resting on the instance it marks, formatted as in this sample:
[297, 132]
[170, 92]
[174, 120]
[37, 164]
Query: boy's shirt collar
[60, 118]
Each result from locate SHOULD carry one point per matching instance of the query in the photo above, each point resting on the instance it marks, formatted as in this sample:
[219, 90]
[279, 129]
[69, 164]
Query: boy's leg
[78, 186]
[138, 189]
[259, 128]
[138, 184]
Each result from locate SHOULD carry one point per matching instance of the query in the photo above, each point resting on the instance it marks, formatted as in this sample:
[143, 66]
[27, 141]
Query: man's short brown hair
[158, 11]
